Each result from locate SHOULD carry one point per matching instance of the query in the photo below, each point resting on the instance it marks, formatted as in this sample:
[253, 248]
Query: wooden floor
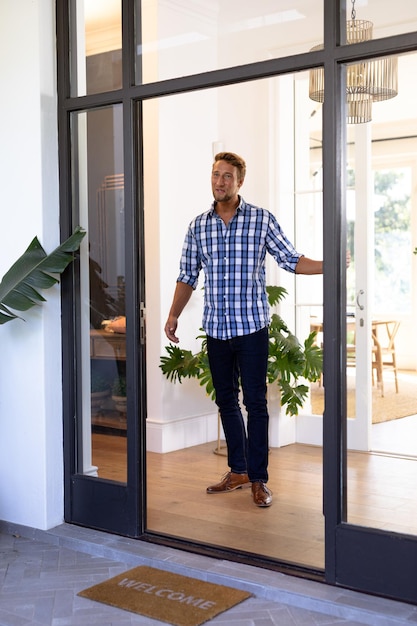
[381, 494]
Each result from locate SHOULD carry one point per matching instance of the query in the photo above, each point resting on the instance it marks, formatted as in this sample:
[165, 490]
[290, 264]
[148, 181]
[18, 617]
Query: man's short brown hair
[233, 159]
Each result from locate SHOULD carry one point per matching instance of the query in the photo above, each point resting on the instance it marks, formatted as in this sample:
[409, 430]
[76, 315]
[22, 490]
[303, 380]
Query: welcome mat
[165, 596]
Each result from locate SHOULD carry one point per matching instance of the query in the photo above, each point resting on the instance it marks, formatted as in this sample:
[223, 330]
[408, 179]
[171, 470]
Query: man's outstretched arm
[308, 266]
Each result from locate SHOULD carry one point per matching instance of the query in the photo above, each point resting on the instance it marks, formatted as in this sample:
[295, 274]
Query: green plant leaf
[204, 375]
[119, 386]
[288, 361]
[275, 294]
[31, 272]
[179, 364]
[292, 397]
[313, 358]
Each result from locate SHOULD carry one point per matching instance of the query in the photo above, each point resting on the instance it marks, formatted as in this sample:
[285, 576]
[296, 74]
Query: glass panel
[185, 441]
[309, 236]
[96, 46]
[99, 194]
[384, 17]
[382, 303]
[190, 38]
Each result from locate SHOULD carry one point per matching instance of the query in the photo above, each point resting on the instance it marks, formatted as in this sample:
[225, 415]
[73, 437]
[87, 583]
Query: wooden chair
[383, 350]
[350, 343]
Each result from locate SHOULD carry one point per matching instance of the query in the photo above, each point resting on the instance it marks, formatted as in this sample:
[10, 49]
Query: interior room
[276, 125]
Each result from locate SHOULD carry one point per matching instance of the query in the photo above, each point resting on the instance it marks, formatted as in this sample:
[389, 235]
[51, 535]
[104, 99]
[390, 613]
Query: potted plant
[34, 270]
[119, 393]
[100, 390]
[288, 362]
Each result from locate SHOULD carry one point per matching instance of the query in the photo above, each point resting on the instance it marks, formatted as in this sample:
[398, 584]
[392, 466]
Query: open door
[374, 537]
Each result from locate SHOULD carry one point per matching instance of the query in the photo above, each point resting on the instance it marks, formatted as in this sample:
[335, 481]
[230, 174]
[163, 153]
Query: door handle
[360, 293]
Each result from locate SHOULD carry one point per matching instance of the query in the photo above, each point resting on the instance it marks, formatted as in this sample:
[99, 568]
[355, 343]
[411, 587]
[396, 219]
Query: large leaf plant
[34, 270]
[290, 363]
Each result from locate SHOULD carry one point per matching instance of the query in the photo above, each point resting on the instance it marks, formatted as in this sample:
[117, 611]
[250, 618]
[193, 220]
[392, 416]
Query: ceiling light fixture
[366, 82]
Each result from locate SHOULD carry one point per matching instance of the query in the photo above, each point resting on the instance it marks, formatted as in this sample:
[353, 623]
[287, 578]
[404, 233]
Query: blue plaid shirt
[233, 260]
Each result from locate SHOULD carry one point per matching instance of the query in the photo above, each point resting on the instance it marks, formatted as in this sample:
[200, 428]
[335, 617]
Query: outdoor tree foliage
[392, 238]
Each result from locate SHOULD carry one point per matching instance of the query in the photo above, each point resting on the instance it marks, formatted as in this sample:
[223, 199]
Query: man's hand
[170, 328]
[117, 325]
[181, 296]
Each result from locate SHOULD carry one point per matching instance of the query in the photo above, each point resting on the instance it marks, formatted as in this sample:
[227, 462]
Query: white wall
[31, 458]
[179, 134]
[177, 187]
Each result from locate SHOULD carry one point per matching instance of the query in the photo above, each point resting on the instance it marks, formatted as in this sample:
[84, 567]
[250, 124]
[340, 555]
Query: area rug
[389, 407]
[165, 596]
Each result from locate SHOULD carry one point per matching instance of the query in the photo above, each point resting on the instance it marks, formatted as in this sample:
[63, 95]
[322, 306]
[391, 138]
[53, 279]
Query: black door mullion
[334, 294]
[135, 340]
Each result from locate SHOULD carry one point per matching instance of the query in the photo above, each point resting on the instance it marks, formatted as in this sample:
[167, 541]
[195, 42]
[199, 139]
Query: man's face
[225, 183]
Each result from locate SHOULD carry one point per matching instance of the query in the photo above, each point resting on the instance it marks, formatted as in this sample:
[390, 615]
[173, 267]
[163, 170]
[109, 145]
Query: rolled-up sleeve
[280, 247]
[190, 263]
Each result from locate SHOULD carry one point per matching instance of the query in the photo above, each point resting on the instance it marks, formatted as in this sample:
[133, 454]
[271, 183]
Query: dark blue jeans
[242, 360]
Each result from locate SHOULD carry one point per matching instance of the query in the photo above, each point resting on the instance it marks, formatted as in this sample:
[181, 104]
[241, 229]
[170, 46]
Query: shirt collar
[240, 207]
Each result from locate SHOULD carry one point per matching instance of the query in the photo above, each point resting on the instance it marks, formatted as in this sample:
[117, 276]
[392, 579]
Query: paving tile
[41, 573]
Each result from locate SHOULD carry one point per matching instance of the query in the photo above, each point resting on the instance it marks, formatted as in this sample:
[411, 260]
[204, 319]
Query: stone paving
[41, 573]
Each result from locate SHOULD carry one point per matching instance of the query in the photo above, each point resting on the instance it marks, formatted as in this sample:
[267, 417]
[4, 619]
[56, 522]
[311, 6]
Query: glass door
[376, 544]
[105, 390]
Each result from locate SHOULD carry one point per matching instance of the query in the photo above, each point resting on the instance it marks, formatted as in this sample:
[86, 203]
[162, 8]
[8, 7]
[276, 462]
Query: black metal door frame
[365, 559]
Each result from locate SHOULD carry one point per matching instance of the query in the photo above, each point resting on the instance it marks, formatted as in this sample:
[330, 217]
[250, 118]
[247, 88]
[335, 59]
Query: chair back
[387, 343]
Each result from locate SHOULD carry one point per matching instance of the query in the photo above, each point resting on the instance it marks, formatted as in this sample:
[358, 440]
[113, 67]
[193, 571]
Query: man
[229, 242]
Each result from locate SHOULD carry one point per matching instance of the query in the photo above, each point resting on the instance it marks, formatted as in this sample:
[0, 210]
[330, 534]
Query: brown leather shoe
[230, 482]
[262, 496]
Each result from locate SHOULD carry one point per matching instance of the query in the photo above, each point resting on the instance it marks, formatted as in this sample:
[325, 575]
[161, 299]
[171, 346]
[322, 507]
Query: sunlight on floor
[396, 436]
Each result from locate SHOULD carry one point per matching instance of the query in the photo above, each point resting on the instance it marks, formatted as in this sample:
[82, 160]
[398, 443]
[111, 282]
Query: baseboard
[180, 433]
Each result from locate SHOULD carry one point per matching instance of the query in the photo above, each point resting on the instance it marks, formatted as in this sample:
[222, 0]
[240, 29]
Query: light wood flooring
[381, 494]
